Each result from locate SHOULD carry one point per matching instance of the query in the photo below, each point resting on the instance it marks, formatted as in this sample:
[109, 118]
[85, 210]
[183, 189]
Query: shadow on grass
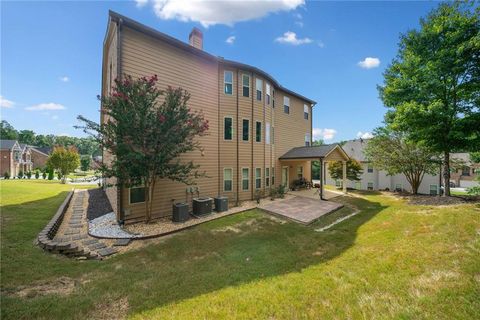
[227, 252]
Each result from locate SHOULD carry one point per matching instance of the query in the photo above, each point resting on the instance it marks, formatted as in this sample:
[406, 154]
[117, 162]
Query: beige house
[254, 121]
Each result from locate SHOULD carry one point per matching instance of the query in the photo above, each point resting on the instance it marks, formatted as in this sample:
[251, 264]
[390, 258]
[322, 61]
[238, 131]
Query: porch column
[321, 178]
[344, 184]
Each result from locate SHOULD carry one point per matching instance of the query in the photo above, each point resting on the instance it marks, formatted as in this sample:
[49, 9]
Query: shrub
[6, 175]
[50, 174]
[20, 174]
[281, 191]
[59, 175]
[474, 191]
[44, 175]
[29, 174]
[273, 193]
[258, 195]
[37, 174]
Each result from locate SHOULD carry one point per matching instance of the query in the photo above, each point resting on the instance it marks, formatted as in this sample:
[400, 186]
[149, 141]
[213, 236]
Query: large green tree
[395, 154]
[7, 131]
[146, 131]
[432, 87]
[65, 160]
[354, 170]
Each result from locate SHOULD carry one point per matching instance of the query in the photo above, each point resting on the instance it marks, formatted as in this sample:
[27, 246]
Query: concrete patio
[303, 208]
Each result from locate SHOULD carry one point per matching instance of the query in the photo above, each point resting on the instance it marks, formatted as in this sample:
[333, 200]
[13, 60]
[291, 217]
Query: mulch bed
[434, 200]
[98, 204]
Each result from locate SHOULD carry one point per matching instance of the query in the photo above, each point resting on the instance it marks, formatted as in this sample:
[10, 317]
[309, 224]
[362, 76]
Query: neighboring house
[16, 157]
[254, 121]
[466, 176]
[373, 179]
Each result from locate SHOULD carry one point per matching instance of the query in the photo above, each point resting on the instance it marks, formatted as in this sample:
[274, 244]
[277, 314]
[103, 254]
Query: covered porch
[297, 164]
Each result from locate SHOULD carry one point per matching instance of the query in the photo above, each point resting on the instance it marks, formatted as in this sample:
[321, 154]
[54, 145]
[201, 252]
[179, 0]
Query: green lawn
[392, 260]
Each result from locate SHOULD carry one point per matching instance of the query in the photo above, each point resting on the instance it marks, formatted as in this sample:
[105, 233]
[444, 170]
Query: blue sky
[51, 54]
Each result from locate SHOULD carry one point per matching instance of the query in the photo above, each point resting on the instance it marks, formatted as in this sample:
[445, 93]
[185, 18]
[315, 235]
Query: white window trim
[399, 184]
[233, 129]
[301, 172]
[248, 178]
[249, 131]
[430, 188]
[307, 111]
[267, 177]
[285, 100]
[225, 82]
[231, 169]
[307, 139]
[129, 195]
[257, 89]
[243, 85]
[368, 166]
[373, 185]
[267, 93]
[258, 178]
[267, 132]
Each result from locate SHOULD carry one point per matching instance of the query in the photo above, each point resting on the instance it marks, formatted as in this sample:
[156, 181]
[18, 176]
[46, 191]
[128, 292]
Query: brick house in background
[16, 157]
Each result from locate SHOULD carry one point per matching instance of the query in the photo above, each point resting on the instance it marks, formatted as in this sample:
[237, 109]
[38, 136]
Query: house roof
[8, 144]
[187, 47]
[45, 150]
[354, 149]
[313, 152]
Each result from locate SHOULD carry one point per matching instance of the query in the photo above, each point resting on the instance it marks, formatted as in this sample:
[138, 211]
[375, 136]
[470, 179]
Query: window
[258, 132]
[245, 129]
[370, 186]
[273, 98]
[433, 190]
[228, 81]
[227, 179]
[273, 176]
[299, 172]
[369, 168]
[258, 178]
[267, 89]
[286, 105]
[465, 171]
[267, 177]
[259, 88]
[339, 184]
[398, 187]
[305, 112]
[267, 133]
[228, 128]
[246, 85]
[138, 195]
[245, 179]
[307, 140]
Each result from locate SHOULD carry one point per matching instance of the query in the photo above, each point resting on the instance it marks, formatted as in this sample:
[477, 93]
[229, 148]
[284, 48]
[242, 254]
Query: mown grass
[392, 260]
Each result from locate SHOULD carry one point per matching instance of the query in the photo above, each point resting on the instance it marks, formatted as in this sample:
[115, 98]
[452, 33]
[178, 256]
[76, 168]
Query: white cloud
[324, 134]
[290, 37]
[369, 63]
[46, 106]
[64, 79]
[141, 3]
[55, 117]
[230, 40]
[321, 44]
[210, 13]
[4, 103]
[299, 23]
[364, 135]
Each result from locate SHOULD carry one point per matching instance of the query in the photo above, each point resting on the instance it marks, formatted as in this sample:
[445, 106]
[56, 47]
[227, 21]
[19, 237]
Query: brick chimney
[196, 38]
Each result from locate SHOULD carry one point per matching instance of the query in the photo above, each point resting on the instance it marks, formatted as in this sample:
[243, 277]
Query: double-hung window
[299, 172]
[305, 112]
[258, 131]
[245, 129]
[228, 82]
[369, 168]
[307, 139]
[267, 133]
[258, 178]
[245, 179]
[228, 128]
[286, 105]
[227, 179]
[137, 195]
[246, 85]
[267, 177]
[259, 88]
[267, 92]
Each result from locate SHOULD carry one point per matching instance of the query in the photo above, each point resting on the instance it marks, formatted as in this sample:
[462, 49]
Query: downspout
[219, 128]
[238, 139]
[119, 74]
[321, 178]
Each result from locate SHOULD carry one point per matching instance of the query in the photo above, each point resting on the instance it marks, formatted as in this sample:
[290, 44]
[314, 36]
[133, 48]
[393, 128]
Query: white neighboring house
[373, 179]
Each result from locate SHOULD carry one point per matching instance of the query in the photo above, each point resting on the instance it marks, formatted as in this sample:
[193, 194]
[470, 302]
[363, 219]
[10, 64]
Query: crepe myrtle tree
[146, 129]
[64, 160]
[394, 153]
[432, 87]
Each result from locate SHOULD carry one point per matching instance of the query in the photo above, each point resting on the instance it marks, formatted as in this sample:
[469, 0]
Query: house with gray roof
[16, 157]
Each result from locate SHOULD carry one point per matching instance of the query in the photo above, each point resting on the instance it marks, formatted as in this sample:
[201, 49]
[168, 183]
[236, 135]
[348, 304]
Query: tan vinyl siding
[144, 56]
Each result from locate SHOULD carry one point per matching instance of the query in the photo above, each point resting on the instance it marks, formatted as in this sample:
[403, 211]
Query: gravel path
[98, 204]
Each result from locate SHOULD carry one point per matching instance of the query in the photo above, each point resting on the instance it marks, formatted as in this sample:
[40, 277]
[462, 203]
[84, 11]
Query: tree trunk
[440, 180]
[149, 202]
[446, 174]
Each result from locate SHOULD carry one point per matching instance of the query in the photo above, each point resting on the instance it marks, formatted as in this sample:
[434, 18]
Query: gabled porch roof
[327, 152]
